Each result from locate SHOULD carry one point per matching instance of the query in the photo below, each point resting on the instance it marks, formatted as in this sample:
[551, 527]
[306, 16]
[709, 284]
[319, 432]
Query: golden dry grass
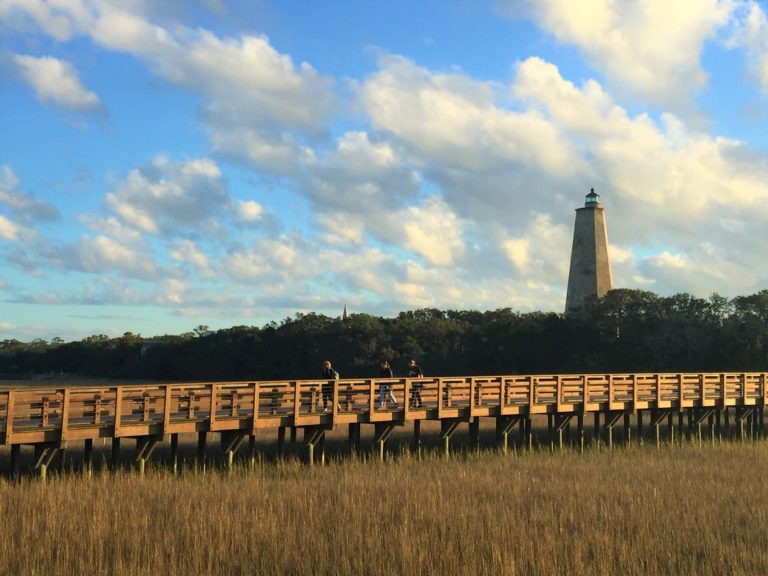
[639, 510]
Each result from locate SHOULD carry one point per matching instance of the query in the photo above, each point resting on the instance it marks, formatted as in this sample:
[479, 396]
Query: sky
[174, 163]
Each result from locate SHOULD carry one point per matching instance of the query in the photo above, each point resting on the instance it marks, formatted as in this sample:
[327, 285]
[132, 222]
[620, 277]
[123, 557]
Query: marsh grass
[637, 510]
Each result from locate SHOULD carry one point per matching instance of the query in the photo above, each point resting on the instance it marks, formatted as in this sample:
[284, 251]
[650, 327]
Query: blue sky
[174, 163]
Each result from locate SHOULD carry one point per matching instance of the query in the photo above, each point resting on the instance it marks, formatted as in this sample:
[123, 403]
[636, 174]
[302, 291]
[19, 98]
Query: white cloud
[255, 100]
[172, 292]
[251, 93]
[249, 211]
[434, 231]
[361, 177]
[456, 119]
[340, 229]
[165, 198]
[646, 49]
[751, 32]
[22, 205]
[55, 82]
[102, 253]
[667, 260]
[687, 173]
[9, 230]
[539, 252]
[275, 261]
[58, 18]
[186, 251]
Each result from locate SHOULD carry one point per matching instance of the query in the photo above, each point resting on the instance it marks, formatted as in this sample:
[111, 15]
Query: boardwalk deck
[52, 416]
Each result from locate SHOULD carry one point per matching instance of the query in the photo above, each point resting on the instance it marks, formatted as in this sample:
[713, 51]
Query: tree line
[625, 331]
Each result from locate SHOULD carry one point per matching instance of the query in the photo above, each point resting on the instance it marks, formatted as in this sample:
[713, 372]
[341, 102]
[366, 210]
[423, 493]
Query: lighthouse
[590, 272]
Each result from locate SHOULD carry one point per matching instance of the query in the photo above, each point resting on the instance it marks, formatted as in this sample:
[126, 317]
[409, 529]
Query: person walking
[414, 371]
[385, 389]
[331, 376]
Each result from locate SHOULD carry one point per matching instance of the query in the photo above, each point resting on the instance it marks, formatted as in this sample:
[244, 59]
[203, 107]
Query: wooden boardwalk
[50, 417]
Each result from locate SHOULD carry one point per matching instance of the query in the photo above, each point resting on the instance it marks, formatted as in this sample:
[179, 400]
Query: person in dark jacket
[415, 372]
[385, 389]
[331, 375]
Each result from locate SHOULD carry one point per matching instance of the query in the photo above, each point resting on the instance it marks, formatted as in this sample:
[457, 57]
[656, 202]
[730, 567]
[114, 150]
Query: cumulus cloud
[55, 82]
[103, 253]
[273, 260]
[249, 211]
[648, 171]
[457, 119]
[360, 177]
[164, 198]
[679, 175]
[255, 101]
[60, 19]
[538, 252]
[20, 204]
[186, 251]
[751, 33]
[646, 49]
[434, 231]
[9, 230]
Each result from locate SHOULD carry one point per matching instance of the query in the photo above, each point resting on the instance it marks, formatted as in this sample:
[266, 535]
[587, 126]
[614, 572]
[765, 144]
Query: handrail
[32, 415]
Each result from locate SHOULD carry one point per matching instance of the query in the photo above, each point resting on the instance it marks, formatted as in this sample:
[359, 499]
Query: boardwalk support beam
[447, 428]
[314, 437]
[417, 437]
[88, 456]
[474, 432]
[230, 444]
[382, 431]
[145, 446]
[611, 418]
[44, 455]
[353, 436]
[504, 426]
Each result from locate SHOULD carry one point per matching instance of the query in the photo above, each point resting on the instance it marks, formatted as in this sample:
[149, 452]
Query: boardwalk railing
[49, 415]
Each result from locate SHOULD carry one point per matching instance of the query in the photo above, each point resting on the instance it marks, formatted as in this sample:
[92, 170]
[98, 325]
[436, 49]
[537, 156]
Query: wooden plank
[472, 385]
[8, 439]
[118, 411]
[65, 414]
[297, 400]
[473, 396]
[335, 399]
[440, 409]
[743, 382]
[167, 407]
[212, 414]
[610, 392]
[256, 402]
[763, 379]
[531, 381]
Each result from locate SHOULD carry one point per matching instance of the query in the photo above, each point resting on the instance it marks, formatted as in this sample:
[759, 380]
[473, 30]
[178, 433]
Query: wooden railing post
[610, 391]
[167, 409]
[371, 398]
[256, 401]
[212, 415]
[658, 389]
[118, 411]
[531, 393]
[297, 401]
[439, 398]
[9, 417]
[65, 415]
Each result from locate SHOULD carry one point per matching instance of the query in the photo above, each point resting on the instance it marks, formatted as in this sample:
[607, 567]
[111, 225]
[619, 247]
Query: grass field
[637, 510]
